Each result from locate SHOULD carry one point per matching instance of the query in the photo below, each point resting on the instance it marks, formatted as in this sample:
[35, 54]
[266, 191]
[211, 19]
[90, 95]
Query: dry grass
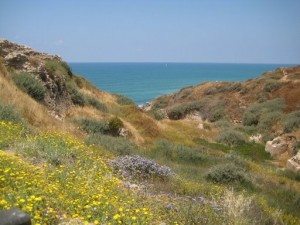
[35, 113]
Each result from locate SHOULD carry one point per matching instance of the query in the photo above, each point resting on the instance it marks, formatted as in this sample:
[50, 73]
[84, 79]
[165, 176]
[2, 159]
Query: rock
[14, 217]
[294, 163]
[24, 59]
[282, 144]
[124, 132]
[256, 138]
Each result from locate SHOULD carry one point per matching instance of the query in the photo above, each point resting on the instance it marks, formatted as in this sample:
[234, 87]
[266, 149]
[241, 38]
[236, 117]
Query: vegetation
[9, 113]
[292, 121]
[76, 97]
[57, 68]
[117, 145]
[93, 126]
[96, 104]
[228, 173]
[114, 126]
[272, 86]
[123, 100]
[166, 150]
[30, 84]
[231, 138]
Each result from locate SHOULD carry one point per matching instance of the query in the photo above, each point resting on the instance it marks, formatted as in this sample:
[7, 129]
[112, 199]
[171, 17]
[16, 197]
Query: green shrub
[9, 113]
[158, 114]
[291, 121]
[160, 103]
[123, 100]
[179, 111]
[118, 145]
[227, 173]
[254, 112]
[114, 126]
[96, 104]
[166, 150]
[31, 85]
[268, 119]
[76, 97]
[58, 68]
[231, 138]
[272, 86]
[94, 126]
[48, 148]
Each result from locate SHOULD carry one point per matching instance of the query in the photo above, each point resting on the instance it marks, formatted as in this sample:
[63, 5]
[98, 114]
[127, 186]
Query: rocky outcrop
[282, 145]
[294, 163]
[24, 59]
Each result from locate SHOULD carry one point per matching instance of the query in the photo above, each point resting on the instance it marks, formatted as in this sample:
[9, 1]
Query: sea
[143, 82]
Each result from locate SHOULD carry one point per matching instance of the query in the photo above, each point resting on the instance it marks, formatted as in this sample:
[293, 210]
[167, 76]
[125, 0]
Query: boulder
[294, 163]
[14, 217]
[282, 145]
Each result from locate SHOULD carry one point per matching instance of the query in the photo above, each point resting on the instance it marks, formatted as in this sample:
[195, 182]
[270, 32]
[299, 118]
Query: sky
[223, 31]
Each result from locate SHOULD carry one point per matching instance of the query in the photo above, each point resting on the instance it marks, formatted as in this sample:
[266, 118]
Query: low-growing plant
[139, 167]
[167, 150]
[58, 68]
[114, 126]
[93, 126]
[267, 120]
[229, 174]
[272, 86]
[158, 114]
[30, 84]
[123, 100]
[254, 112]
[9, 113]
[76, 97]
[291, 121]
[231, 138]
[96, 104]
[118, 145]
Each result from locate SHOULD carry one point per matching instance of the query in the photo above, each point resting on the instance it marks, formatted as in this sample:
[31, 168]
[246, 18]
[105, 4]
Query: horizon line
[183, 62]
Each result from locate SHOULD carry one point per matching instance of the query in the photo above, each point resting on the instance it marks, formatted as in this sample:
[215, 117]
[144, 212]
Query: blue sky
[245, 31]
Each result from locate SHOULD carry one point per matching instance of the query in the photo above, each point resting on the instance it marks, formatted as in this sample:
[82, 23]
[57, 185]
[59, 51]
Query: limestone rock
[282, 144]
[14, 217]
[294, 163]
[256, 138]
[24, 59]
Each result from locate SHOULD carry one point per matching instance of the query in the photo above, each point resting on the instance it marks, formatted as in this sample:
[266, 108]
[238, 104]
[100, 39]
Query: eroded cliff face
[19, 59]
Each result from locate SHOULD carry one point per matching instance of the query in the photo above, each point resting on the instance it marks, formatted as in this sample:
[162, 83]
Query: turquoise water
[145, 81]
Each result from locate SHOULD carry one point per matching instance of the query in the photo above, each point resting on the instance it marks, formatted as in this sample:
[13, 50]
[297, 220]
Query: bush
[51, 148]
[165, 149]
[96, 104]
[271, 86]
[76, 97]
[94, 126]
[58, 68]
[227, 173]
[255, 111]
[31, 85]
[179, 111]
[123, 100]
[118, 145]
[267, 120]
[291, 121]
[139, 167]
[158, 114]
[8, 113]
[114, 126]
[231, 138]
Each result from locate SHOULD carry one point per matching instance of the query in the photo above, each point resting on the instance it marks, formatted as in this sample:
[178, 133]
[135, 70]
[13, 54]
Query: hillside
[73, 154]
[233, 101]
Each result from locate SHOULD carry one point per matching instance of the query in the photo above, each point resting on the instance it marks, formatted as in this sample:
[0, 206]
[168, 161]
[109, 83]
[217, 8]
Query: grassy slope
[275, 193]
